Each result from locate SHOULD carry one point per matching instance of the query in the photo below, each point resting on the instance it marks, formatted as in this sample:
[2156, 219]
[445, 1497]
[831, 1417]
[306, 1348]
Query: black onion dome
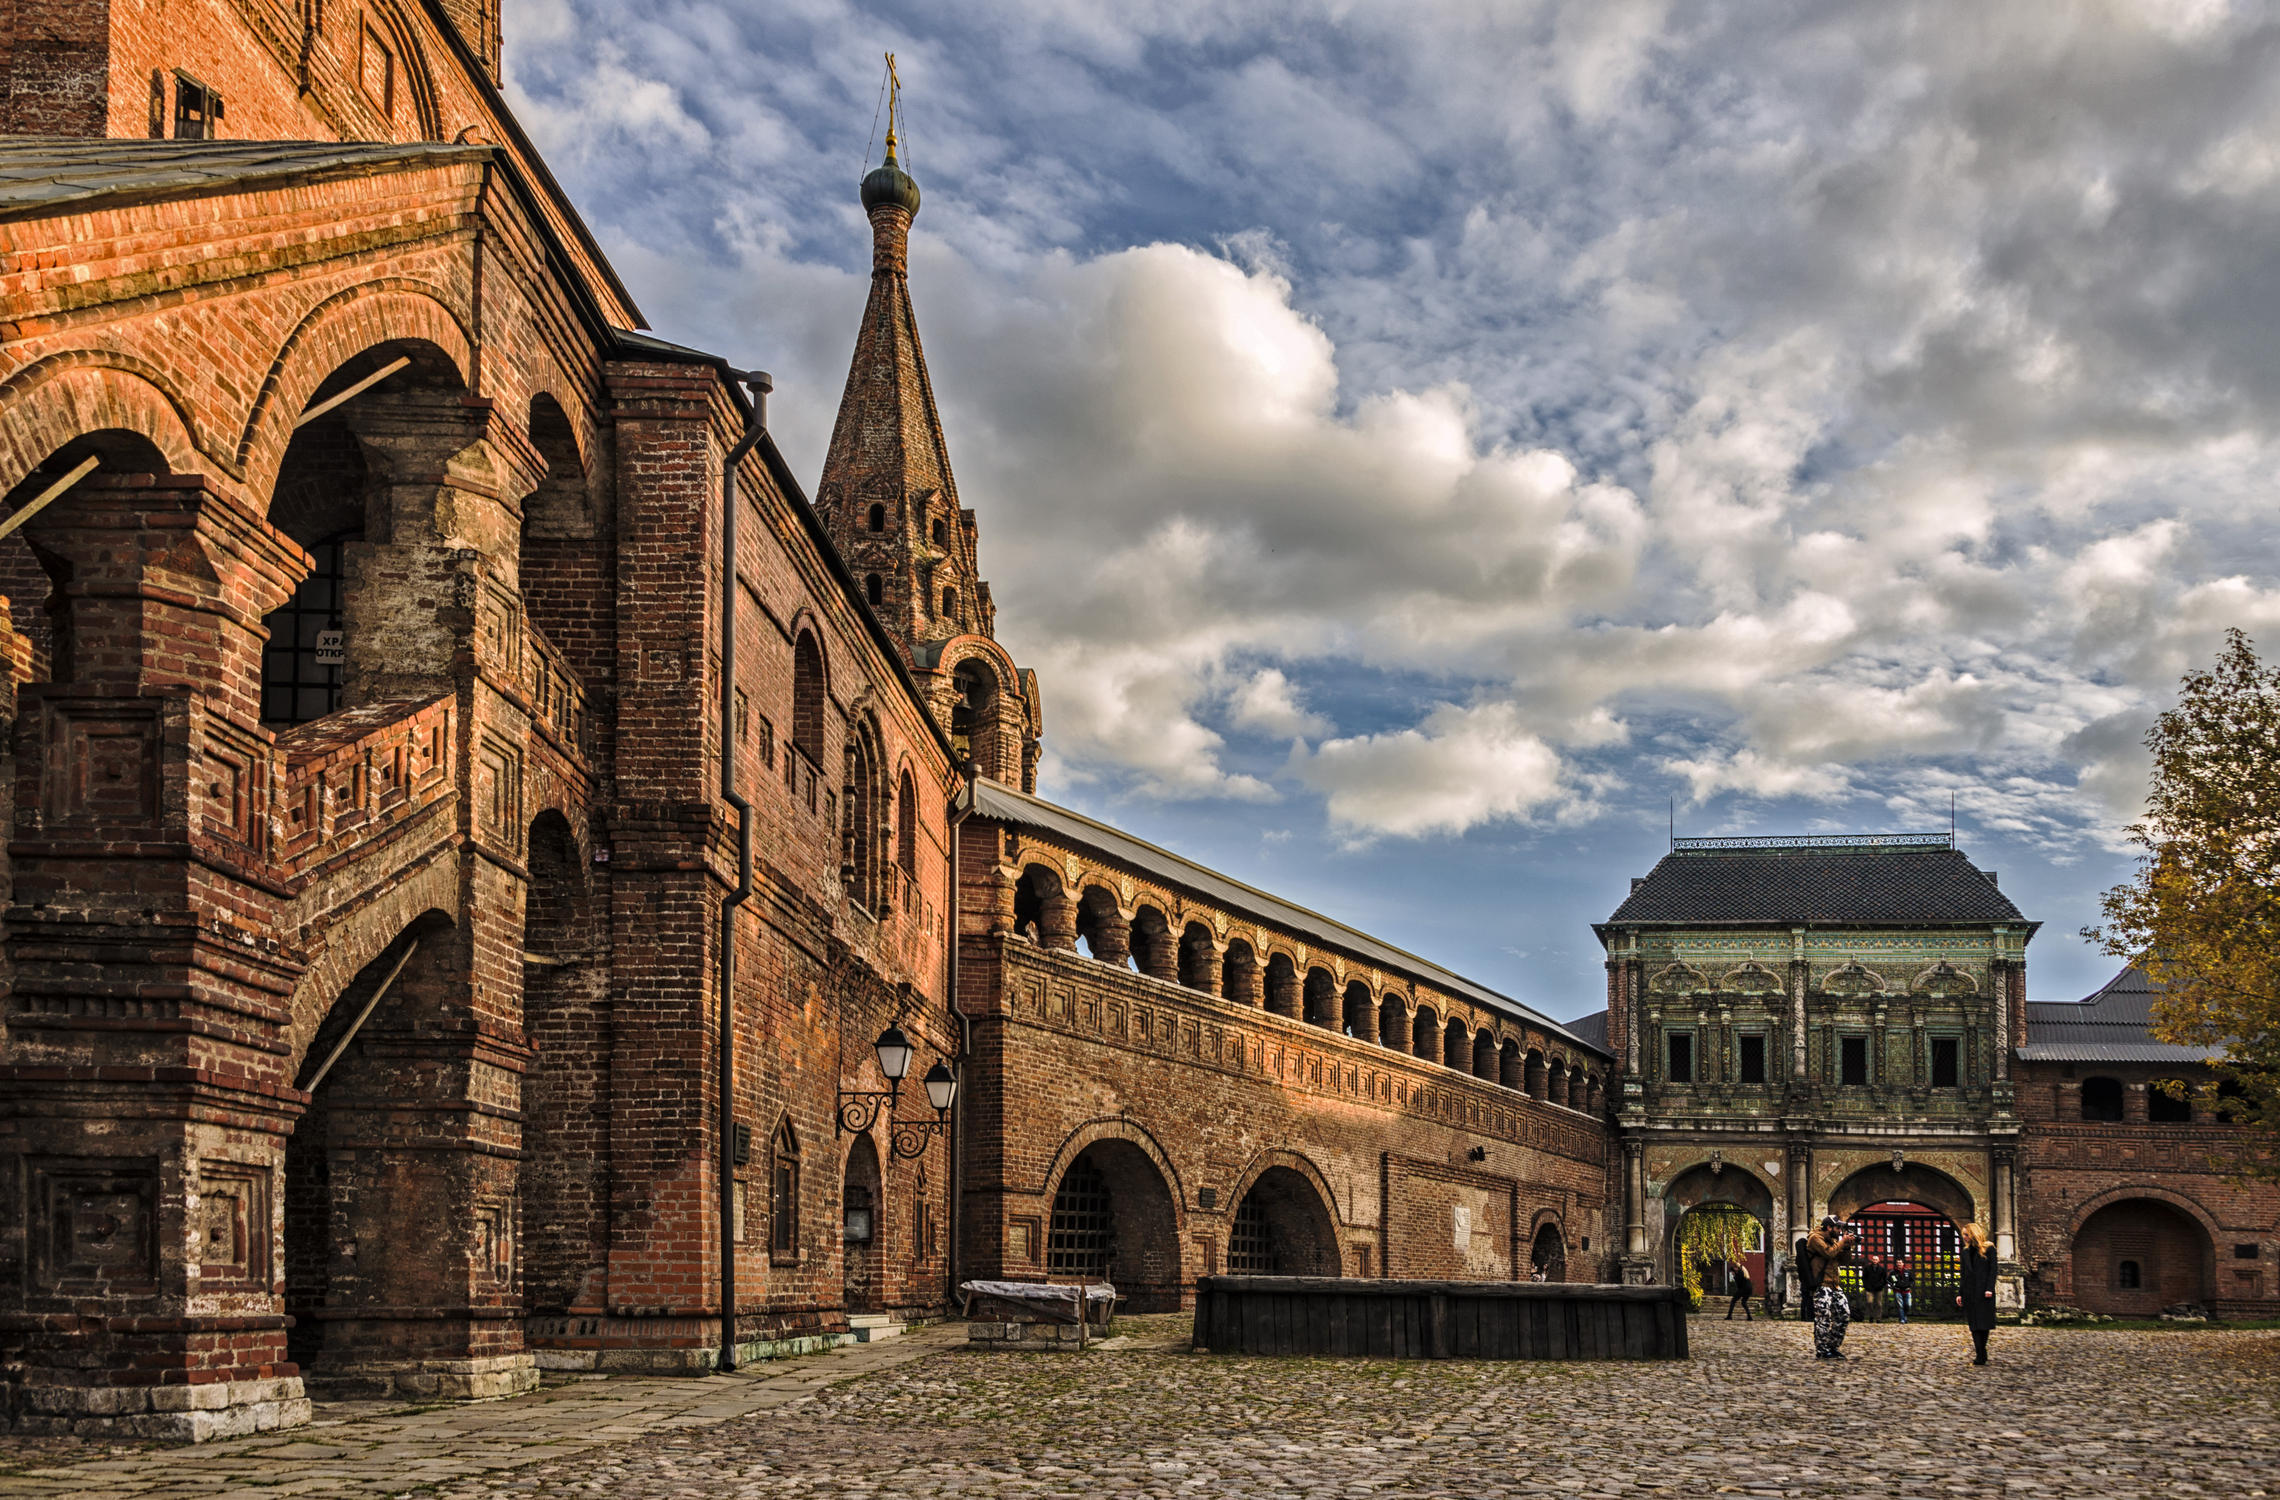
[889, 183]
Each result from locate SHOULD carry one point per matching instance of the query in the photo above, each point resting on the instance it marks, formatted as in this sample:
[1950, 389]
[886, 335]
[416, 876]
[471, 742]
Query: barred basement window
[1753, 1059]
[197, 109]
[1251, 1248]
[1947, 1062]
[1082, 1239]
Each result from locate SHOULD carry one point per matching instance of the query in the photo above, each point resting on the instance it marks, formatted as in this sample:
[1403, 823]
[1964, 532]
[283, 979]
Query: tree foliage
[1708, 1234]
[2202, 915]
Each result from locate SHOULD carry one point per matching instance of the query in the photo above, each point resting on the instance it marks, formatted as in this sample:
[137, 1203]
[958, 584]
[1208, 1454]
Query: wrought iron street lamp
[860, 1109]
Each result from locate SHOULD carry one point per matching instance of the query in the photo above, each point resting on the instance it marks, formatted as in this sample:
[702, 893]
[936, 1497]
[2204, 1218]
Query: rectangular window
[197, 109]
[1753, 1059]
[2244, 1251]
[784, 1205]
[767, 742]
[1855, 1062]
[736, 1214]
[1947, 1062]
[1681, 1057]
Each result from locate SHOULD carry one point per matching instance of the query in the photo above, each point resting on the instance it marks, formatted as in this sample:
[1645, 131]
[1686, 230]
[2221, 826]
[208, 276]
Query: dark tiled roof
[1865, 884]
[1591, 1028]
[2112, 1025]
[994, 800]
[52, 174]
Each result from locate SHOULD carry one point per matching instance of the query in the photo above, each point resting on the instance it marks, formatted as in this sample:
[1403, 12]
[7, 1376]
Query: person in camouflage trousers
[1827, 1248]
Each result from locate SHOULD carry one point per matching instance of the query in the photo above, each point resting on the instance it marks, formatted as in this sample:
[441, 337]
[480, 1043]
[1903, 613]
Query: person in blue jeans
[1903, 1286]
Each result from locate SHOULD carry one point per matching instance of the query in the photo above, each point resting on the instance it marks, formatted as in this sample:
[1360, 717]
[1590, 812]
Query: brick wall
[2166, 1195]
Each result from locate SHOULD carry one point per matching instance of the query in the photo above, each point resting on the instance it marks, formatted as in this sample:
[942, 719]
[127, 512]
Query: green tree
[2202, 915]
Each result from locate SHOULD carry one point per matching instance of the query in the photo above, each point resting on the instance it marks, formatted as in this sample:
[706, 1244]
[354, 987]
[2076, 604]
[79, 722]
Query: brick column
[668, 870]
[1057, 920]
[144, 1100]
[1112, 938]
[434, 586]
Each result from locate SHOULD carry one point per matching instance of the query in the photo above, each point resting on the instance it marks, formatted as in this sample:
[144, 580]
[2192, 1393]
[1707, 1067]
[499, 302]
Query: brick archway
[47, 405]
[2132, 1252]
[1291, 1161]
[1116, 1211]
[390, 310]
[1114, 1128]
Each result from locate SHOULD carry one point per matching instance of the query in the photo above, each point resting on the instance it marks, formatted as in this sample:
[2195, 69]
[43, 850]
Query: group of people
[1892, 1285]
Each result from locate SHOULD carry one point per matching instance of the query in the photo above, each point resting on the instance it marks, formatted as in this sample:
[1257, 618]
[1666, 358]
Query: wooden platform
[1332, 1316]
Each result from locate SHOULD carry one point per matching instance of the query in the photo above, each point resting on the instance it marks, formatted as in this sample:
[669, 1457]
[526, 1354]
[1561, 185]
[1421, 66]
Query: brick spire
[888, 496]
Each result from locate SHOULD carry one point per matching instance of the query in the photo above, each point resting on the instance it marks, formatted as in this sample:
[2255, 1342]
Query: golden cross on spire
[894, 104]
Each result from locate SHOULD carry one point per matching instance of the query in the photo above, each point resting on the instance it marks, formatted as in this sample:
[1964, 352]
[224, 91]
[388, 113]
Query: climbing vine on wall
[1709, 1234]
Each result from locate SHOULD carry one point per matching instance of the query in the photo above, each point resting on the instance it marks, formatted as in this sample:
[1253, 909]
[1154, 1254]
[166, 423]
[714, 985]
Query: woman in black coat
[1978, 1297]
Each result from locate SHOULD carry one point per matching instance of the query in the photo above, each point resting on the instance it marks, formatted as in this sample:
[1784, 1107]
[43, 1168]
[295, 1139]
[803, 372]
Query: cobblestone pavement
[2059, 1412]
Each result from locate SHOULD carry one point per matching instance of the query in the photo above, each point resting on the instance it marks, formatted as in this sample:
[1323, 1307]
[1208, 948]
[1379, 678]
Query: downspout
[958, 816]
[755, 427]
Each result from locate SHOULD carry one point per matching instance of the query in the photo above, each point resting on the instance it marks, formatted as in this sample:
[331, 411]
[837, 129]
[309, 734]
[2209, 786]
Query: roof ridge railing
[1815, 841]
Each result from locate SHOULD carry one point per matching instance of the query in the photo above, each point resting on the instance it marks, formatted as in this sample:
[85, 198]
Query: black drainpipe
[964, 1068]
[755, 426]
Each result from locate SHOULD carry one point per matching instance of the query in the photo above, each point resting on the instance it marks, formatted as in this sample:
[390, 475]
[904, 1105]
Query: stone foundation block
[484, 1379]
[163, 1413]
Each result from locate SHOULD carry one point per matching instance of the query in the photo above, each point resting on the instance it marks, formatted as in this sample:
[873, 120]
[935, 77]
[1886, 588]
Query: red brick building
[369, 859]
[371, 878]
[367, 863]
[2133, 1195]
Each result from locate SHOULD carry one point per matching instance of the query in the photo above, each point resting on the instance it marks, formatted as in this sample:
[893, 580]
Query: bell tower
[890, 504]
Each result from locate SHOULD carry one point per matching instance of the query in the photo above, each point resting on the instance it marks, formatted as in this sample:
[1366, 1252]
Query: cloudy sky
[1417, 442]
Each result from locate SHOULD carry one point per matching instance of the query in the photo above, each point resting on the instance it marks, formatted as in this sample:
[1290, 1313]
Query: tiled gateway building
[451, 906]
[1829, 1025]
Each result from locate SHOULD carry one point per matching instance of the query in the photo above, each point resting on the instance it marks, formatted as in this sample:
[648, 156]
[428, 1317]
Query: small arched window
[906, 825]
[2165, 1108]
[941, 532]
[949, 604]
[2101, 1099]
[784, 1193]
[878, 518]
[874, 591]
[2128, 1276]
[807, 698]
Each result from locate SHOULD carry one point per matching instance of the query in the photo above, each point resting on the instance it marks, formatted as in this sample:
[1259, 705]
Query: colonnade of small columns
[1196, 958]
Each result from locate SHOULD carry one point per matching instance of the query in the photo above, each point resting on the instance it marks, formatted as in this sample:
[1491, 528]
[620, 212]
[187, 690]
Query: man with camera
[1825, 1249]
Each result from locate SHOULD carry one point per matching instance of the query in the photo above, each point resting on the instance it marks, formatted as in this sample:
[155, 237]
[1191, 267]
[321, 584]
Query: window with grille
[1753, 1059]
[301, 665]
[784, 1196]
[1854, 1061]
[1082, 1239]
[2128, 1277]
[1251, 1247]
[1947, 1062]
